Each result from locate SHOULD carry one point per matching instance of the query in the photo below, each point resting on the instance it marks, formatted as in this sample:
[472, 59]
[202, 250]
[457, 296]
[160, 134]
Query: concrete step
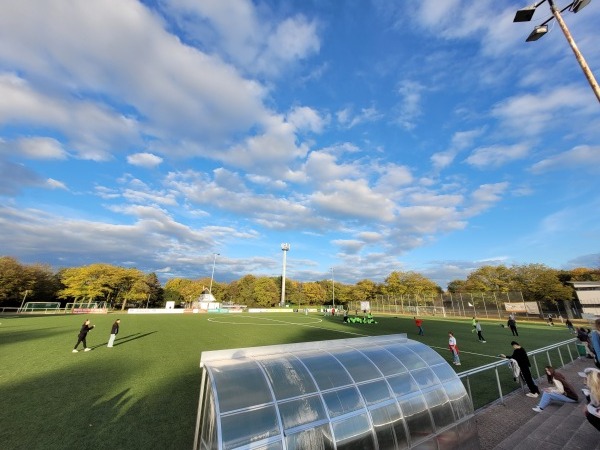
[557, 427]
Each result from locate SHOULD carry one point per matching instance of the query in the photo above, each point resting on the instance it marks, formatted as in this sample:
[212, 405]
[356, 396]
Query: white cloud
[305, 118]
[532, 114]
[55, 184]
[250, 37]
[583, 157]
[40, 148]
[486, 196]
[497, 155]
[410, 106]
[348, 119]
[147, 160]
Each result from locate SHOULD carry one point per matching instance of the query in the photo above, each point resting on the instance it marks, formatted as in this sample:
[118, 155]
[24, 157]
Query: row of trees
[123, 287]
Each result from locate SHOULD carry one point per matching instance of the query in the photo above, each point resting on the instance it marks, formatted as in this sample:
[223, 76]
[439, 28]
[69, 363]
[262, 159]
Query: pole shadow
[124, 339]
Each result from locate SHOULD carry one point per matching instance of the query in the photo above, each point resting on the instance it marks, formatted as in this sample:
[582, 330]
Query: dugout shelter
[379, 392]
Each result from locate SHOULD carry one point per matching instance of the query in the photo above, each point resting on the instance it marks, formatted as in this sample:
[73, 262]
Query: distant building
[588, 294]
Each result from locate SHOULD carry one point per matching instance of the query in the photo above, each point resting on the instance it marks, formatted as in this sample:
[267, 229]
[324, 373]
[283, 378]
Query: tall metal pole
[212, 276]
[580, 59]
[332, 289]
[285, 248]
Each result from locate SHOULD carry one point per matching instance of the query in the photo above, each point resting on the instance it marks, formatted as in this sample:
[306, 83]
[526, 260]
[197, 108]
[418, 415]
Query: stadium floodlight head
[537, 33]
[524, 14]
[578, 5]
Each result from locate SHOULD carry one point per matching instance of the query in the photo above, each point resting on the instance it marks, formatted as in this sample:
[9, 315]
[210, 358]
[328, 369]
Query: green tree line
[124, 287]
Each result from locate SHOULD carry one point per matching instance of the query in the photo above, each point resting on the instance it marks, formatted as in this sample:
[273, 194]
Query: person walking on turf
[520, 356]
[453, 348]
[478, 329]
[561, 391]
[81, 337]
[419, 324]
[474, 323]
[512, 324]
[113, 333]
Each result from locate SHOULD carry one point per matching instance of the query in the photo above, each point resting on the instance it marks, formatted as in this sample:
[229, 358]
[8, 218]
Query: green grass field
[144, 391]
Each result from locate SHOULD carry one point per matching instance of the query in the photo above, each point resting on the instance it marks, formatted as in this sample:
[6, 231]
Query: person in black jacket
[113, 333]
[520, 355]
[81, 337]
[512, 324]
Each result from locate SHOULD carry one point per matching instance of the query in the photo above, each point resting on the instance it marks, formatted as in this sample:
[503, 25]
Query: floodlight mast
[526, 14]
[212, 276]
[285, 248]
[332, 289]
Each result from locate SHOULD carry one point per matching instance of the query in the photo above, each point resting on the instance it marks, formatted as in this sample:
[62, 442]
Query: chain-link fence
[471, 304]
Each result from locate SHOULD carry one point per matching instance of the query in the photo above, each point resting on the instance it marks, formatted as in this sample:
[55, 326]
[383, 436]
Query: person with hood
[520, 356]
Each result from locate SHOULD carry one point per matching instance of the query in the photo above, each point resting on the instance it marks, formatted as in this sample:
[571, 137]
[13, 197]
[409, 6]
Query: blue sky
[371, 135]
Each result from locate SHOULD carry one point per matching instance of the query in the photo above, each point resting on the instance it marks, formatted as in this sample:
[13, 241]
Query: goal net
[86, 308]
[426, 310]
[41, 307]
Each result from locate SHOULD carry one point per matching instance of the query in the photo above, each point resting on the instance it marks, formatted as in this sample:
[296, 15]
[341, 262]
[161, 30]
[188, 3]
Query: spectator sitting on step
[561, 391]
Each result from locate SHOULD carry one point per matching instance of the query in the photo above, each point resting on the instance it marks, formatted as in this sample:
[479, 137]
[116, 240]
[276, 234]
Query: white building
[588, 294]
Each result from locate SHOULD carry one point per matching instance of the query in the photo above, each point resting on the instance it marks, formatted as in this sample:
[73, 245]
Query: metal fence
[556, 355]
[479, 304]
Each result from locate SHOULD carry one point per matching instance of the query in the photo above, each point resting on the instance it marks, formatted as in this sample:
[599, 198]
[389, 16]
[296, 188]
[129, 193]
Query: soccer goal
[41, 308]
[430, 311]
[86, 308]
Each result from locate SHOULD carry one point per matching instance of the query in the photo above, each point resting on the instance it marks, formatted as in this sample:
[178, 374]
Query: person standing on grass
[520, 356]
[478, 329]
[453, 348]
[419, 324]
[561, 391]
[474, 323]
[512, 324]
[570, 326]
[113, 333]
[81, 337]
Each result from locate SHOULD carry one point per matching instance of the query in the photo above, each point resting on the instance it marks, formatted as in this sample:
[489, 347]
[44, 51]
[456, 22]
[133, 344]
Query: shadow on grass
[125, 339]
[13, 337]
[98, 405]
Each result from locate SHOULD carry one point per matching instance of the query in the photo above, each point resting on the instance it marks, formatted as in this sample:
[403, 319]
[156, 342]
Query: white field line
[283, 322]
[470, 353]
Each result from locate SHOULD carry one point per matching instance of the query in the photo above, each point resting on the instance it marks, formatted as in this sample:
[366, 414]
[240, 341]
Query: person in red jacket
[419, 324]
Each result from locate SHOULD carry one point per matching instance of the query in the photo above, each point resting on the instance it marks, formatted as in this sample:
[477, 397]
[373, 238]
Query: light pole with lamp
[285, 248]
[212, 276]
[526, 14]
[332, 290]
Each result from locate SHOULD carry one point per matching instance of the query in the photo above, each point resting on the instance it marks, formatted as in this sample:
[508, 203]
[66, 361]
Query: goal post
[430, 311]
[41, 307]
[86, 308]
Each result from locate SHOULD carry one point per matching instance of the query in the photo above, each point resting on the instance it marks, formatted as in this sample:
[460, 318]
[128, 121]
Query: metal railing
[534, 356]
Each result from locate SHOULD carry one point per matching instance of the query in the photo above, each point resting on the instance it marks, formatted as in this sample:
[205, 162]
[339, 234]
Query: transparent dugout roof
[375, 392]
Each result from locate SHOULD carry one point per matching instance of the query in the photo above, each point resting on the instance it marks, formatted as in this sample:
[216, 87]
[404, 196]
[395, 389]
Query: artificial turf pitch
[144, 391]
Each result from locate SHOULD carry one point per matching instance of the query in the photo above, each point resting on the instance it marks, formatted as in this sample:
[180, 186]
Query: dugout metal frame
[379, 392]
